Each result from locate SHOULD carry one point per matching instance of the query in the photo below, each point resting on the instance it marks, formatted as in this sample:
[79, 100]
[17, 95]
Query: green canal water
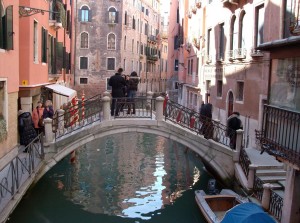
[130, 177]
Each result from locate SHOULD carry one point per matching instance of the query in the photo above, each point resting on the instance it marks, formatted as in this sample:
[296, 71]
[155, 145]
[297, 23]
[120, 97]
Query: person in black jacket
[233, 123]
[26, 128]
[117, 82]
[132, 89]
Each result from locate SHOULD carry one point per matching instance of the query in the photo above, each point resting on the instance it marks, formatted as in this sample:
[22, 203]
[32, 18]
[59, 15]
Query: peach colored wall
[9, 60]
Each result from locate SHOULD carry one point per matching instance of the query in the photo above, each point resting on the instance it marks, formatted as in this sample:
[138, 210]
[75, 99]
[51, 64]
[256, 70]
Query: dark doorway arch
[230, 103]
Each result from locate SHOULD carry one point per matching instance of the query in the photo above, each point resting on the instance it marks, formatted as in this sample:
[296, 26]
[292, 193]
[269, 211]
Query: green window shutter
[42, 43]
[9, 32]
[1, 26]
[59, 57]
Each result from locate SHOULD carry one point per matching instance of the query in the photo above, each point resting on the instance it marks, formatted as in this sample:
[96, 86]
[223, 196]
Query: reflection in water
[133, 176]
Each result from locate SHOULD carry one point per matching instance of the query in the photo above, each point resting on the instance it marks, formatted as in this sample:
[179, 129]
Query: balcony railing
[152, 38]
[240, 53]
[280, 135]
[230, 55]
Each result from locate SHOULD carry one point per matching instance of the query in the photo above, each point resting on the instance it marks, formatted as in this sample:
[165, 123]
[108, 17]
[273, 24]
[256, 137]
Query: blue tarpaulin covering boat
[247, 213]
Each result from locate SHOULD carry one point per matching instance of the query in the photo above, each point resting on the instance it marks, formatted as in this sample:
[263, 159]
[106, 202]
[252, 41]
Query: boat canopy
[247, 213]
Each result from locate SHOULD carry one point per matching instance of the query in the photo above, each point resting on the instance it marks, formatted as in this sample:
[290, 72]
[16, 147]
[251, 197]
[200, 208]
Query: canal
[130, 177]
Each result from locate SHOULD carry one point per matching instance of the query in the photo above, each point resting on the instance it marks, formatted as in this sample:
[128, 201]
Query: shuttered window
[44, 44]
[59, 54]
[6, 27]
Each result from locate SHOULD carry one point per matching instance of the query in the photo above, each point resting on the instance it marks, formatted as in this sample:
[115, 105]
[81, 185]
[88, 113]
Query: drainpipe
[75, 39]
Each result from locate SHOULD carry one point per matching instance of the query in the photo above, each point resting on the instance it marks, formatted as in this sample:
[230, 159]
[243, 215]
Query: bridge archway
[214, 155]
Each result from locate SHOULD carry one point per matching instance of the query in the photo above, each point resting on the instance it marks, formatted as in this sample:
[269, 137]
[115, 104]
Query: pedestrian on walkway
[37, 117]
[117, 82]
[206, 128]
[233, 123]
[26, 128]
[48, 110]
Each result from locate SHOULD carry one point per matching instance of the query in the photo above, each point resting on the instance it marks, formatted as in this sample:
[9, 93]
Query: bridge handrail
[77, 116]
[194, 121]
[14, 174]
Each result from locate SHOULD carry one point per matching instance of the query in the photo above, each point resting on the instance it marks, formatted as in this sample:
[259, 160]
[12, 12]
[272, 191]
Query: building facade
[35, 52]
[127, 38]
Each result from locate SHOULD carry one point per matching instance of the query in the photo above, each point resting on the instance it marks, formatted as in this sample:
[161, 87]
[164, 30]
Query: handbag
[41, 120]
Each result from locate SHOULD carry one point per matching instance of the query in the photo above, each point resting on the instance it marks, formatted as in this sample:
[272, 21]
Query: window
[240, 91]
[83, 63]
[192, 66]
[84, 14]
[51, 55]
[233, 33]
[137, 47]
[219, 88]
[84, 40]
[125, 43]
[6, 27]
[207, 85]
[176, 65]
[44, 45]
[221, 41]
[133, 22]
[35, 42]
[166, 67]
[124, 64]
[83, 80]
[146, 29]
[259, 24]
[142, 49]
[177, 16]
[189, 67]
[125, 19]
[241, 31]
[291, 17]
[112, 15]
[111, 41]
[208, 41]
[147, 12]
[132, 45]
[108, 88]
[197, 66]
[111, 63]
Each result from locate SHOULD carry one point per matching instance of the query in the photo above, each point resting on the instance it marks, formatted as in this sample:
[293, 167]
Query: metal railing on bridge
[14, 175]
[77, 116]
[187, 118]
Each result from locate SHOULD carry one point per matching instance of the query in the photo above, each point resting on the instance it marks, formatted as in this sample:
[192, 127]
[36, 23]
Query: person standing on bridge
[132, 89]
[233, 123]
[117, 82]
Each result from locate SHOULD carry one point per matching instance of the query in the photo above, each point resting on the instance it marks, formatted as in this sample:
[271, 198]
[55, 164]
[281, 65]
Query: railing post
[60, 121]
[149, 97]
[48, 130]
[265, 201]
[106, 108]
[239, 139]
[251, 175]
[159, 108]
[106, 93]
[216, 129]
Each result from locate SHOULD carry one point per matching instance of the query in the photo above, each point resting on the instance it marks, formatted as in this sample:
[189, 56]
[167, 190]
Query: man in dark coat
[206, 119]
[117, 82]
[26, 128]
[233, 123]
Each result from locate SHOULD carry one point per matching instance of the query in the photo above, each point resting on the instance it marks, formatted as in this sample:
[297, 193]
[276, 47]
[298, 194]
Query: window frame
[108, 41]
[87, 63]
[107, 59]
[240, 97]
[81, 78]
[85, 44]
[85, 13]
[219, 88]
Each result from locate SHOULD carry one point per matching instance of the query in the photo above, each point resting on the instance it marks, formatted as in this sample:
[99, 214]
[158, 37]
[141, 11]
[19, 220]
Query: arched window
[233, 33]
[241, 42]
[84, 37]
[112, 15]
[125, 18]
[125, 43]
[84, 14]
[111, 41]
[133, 22]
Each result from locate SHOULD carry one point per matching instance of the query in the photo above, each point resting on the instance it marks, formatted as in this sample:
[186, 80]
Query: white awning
[62, 90]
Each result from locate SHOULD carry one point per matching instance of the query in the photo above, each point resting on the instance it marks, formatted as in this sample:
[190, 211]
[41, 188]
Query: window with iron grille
[83, 80]
[84, 37]
[83, 63]
[111, 63]
[240, 91]
[219, 88]
[111, 41]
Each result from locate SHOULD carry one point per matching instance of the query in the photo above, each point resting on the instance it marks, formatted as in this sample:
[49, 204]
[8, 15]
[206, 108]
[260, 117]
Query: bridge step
[271, 172]
[271, 179]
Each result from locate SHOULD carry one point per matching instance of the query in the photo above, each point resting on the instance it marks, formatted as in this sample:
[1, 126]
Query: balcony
[152, 57]
[255, 54]
[152, 38]
[230, 55]
[57, 18]
[240, 53]
[208, 59]
[280, 134]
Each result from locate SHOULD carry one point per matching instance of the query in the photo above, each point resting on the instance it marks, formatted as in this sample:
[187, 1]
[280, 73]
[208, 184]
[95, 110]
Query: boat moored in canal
[214, 207]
